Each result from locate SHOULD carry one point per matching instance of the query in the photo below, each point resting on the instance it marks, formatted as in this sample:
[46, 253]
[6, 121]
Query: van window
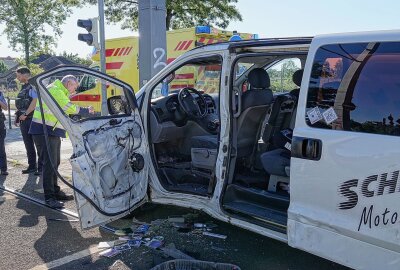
[281, 74]
[356, 87]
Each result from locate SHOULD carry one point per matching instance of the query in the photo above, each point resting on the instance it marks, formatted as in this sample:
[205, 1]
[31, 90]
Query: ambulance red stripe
[117, 51]
[183, 45]
[188, 44]
[184, 76]
[122, 51]
[114, 65]
[177, 46]
[109, 52]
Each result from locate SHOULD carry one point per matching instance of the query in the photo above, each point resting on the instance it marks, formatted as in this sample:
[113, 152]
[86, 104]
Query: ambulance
[122, 61]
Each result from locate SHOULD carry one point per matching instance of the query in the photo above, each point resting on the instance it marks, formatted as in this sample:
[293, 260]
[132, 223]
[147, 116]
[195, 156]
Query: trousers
[50, 157]
[3, 157]
[29, 144]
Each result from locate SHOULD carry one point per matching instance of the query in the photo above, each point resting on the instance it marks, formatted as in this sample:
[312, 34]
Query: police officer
[25, 103]
[60, 91]
[3, 157]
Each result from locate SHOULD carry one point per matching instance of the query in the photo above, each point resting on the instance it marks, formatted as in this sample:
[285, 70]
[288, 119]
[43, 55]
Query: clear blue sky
[267, 18]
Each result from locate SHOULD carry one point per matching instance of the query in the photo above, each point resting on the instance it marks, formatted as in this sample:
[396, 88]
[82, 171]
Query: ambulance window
[88, 82]
[281, 73]
[355, 87]
[204, 75]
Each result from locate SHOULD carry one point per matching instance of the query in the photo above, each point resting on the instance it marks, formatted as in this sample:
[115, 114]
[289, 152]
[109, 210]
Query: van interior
[184, 132]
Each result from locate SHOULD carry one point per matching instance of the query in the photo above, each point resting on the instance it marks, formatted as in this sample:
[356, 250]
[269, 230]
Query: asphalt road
[32, 239]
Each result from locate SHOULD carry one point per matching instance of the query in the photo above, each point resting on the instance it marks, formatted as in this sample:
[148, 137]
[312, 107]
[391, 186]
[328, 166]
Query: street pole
[104, 109]
[152, 39]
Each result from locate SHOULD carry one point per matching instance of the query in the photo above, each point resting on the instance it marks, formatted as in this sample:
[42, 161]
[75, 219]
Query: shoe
[53, 203]
[28, 170]
[63, 197]
[4, 173]
[38, 173]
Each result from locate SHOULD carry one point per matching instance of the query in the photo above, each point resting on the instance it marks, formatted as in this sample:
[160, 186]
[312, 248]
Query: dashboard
[168, 108]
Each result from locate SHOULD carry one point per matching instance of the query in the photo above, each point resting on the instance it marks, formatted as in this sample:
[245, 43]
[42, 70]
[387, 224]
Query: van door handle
[306, 148]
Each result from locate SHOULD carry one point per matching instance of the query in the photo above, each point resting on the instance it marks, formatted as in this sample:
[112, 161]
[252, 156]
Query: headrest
[259, 78]
[297, 76]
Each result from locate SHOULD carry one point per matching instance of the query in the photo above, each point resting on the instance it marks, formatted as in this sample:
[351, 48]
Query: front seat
[254, 104]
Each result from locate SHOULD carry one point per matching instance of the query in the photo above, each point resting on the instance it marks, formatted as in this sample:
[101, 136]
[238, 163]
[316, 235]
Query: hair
[68, 78]
[23, 71]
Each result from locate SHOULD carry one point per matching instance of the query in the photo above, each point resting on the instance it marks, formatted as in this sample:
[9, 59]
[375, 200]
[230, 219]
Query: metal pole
[9, 113]
[152, 38]
[104, 110]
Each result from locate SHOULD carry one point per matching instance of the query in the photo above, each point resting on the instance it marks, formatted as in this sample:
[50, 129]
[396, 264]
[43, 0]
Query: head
[23, 74]
[71, 83]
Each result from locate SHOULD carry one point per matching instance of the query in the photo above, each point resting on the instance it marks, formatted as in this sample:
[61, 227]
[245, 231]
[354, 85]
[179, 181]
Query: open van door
[110, 158]
[345, 163]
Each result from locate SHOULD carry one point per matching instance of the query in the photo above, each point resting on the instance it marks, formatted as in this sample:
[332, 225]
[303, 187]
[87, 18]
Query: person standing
[3, 157]
[25, 103]
[60, 91]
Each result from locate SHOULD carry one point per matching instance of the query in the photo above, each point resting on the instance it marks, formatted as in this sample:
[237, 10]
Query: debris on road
[171, 251]
[178, 219]
[110, 244]
[63, 219]
[111, 252]
[156, 242]
[221, 236]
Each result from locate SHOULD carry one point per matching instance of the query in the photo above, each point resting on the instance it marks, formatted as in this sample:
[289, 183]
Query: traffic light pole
[104, 110]
[152, 38]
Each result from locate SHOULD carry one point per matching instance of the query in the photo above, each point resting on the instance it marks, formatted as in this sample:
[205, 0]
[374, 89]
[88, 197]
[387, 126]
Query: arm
[3, 105]
[30, 109]
[3, 102]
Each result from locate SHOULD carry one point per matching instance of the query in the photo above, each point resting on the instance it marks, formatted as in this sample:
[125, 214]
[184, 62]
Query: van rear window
[356, 87]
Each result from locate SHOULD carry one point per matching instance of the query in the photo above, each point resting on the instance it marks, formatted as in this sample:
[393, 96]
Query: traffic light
[91, 38]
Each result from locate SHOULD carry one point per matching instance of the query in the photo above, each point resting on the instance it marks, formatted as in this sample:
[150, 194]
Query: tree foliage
[281, 77]
[77, 59]
[3, 67]
[180, 13]
[26, 22]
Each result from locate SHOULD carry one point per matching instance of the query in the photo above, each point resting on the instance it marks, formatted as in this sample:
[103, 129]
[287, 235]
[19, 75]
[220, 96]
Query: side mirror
[170, 77]
[116, 105]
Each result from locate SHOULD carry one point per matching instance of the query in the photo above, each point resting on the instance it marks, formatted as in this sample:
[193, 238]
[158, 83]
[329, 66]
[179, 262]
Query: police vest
[60, 94]
[24, 99]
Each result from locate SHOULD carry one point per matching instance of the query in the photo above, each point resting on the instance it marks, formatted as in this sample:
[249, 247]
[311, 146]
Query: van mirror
[170, 77]
[116, 105]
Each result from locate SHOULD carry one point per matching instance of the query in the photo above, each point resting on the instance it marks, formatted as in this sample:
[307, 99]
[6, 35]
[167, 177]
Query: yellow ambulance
[122, 61]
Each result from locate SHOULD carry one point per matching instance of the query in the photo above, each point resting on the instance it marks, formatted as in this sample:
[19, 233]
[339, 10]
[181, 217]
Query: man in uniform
[60, 91]
[25, 103]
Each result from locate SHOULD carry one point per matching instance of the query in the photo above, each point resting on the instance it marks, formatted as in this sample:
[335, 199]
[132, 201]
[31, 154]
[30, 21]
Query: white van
[299, 142]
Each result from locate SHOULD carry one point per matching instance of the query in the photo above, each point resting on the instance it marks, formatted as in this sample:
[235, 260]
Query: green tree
[3, 67]
[76, 59]
[25, 22]
[180, 13]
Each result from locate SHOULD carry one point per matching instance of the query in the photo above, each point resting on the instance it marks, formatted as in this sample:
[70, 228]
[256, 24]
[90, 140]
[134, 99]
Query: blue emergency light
[203, 30]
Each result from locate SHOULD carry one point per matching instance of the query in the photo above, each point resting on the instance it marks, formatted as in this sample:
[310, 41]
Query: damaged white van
[297, 139]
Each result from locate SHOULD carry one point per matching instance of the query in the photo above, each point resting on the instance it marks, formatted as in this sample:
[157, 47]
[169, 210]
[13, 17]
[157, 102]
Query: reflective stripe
[45, 110]
[69, 105]
[48, 122]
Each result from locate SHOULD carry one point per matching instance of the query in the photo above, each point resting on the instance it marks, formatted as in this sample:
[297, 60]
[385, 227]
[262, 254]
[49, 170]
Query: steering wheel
[190, 105]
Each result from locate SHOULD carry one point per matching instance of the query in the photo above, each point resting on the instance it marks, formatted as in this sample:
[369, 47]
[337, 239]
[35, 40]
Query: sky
[268, 18]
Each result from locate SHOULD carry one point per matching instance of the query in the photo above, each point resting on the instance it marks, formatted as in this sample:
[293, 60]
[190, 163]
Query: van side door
[345, 161]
